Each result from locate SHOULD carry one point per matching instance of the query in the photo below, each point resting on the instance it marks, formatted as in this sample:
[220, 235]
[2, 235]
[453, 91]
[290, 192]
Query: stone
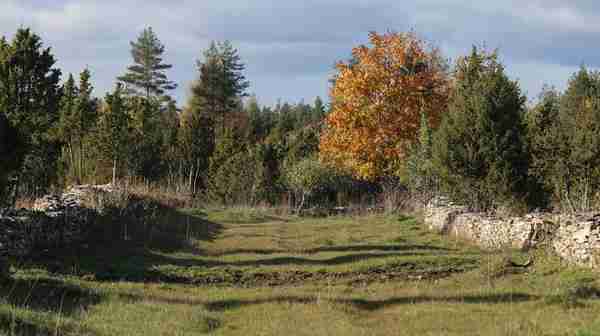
[575, 238]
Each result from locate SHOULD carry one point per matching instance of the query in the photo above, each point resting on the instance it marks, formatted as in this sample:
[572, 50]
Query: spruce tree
[479, 150]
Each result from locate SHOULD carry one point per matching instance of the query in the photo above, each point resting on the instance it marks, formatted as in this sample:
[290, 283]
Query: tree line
[401, 118]
[221, 146]
[464, 131]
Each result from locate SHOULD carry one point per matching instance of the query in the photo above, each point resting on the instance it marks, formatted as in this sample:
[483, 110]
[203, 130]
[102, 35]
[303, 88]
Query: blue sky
[290, 46]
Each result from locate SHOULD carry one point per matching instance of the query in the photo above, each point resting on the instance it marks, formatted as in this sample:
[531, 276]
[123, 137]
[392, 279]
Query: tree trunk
[16, 189]
[114, 177]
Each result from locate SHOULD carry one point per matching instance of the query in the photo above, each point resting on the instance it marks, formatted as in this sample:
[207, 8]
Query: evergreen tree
[256, 129]
[285, 120]
[479, 150]
[170, 129]
[227, 146]
[11, 153]
[78, 113]
[144, 159]
[113, 131]
[29, 98]
[221, 83]
[267, 173]
[542, 135]
[422, 180]
[196, 141]
[318, 110]
[146, 77]
[566, 142]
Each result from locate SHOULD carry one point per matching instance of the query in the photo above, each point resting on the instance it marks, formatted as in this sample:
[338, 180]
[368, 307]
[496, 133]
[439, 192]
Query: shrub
[306, 179]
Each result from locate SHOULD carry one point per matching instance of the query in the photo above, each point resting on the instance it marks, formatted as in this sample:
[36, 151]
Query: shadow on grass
[335, 248]
[284, 261]
[373, 305]
[13, 325]
[48, 295]
[106, 255]
[164, 229]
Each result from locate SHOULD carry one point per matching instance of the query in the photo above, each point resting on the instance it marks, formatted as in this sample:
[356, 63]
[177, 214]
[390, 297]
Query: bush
[306, 179]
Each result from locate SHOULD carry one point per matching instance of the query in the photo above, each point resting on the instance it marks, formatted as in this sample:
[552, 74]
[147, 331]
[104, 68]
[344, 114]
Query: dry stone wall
[54, 221]
[577, 239]
[574, 238]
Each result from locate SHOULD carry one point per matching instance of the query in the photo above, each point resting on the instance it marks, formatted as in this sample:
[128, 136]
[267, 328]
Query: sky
[290, 47]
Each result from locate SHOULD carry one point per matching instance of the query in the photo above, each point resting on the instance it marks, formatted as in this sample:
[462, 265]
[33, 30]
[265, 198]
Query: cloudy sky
[290, 46]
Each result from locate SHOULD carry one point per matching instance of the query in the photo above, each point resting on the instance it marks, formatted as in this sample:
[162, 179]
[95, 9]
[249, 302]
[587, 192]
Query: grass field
[248, 272]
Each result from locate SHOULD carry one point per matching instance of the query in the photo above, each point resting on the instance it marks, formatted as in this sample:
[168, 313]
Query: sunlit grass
[274, 274]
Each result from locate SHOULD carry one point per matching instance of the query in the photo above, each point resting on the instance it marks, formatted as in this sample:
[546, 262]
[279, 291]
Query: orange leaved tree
[377, 100]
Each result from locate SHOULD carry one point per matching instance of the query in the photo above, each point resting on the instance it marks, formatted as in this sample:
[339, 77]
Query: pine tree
[29, 97]
[479, 150]
[146, 77]
[221, 83]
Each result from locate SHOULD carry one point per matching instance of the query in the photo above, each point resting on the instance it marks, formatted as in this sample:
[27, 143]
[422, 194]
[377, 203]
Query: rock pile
[575, 238]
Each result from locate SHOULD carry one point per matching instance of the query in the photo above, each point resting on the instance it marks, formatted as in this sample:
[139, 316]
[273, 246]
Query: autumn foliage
[377, 100]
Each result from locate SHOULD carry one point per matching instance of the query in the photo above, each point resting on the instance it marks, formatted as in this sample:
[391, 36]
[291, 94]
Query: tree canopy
[377, 100]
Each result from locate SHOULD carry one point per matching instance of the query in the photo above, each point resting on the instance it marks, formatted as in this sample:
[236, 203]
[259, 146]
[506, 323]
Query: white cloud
[289, 46]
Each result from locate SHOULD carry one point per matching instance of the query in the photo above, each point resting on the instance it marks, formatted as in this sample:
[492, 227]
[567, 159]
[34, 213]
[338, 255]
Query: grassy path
[251, 273]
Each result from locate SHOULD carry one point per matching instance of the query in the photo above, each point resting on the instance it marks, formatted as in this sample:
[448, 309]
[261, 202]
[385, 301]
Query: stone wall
[574, 238]
[55, 221]
[577, 239]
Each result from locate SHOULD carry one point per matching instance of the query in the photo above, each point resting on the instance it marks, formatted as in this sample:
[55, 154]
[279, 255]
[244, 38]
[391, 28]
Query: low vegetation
[256, 272]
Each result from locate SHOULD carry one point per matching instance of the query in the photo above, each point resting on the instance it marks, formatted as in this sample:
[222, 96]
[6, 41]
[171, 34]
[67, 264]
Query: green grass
[256, 272]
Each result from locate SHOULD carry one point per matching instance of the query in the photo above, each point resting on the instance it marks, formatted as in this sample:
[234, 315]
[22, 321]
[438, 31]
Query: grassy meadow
[253, 272]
